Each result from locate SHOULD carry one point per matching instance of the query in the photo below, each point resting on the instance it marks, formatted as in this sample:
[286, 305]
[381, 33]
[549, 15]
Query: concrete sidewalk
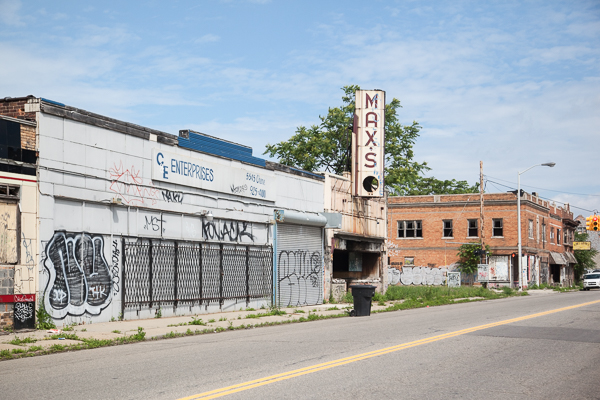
[157, 328]
[38, 341]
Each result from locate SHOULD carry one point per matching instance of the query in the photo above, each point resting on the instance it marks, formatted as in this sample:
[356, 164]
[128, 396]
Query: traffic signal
[592, 223]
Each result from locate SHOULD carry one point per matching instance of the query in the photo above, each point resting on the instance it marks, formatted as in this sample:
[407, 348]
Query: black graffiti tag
[116, 257]
[233, 231]
[172, 197]
[154, 224]
[299, 270]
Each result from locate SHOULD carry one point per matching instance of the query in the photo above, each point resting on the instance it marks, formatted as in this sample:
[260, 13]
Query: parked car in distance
[591, 281]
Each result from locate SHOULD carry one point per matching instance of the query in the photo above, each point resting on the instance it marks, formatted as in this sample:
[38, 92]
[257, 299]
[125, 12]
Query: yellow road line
[342, 361]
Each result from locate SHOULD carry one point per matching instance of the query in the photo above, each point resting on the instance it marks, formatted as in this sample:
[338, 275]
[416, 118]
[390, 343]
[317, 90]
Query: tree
[469, 258]
[585, 258]
[326, 147]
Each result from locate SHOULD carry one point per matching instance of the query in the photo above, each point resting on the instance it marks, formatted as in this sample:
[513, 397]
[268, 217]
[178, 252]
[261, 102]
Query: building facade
[355, 238]
[425, 233]
[103, 219]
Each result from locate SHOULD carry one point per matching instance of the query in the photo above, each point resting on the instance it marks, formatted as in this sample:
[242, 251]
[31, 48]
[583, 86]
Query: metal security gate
[299, 265]
[163, 273]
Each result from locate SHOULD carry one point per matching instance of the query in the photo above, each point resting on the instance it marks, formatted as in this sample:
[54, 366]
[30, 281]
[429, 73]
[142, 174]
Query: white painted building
[129, 222]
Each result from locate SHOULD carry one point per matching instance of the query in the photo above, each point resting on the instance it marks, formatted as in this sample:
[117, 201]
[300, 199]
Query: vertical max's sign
[368, 143]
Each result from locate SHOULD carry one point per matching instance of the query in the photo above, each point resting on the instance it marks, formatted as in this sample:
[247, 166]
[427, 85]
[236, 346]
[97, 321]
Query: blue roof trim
[52, 102]
[221, 148]
[307, 172]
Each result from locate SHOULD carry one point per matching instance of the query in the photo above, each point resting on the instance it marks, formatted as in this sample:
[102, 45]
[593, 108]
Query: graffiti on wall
[24, 315]
[454, 279]
[533, 270]
[232, 231]
[24, 274]
[418, 276]
[172, 197]
[79, 277]
[129, 184]
[299, 277]
[393, 250]
[115, 265]
[154, 224]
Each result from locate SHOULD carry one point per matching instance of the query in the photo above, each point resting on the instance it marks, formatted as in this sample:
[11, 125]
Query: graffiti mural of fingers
[64, 273]
[96, 269]
[79, 276]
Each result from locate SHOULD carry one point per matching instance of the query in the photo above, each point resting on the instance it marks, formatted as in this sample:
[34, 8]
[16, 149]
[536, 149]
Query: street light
[549, 164]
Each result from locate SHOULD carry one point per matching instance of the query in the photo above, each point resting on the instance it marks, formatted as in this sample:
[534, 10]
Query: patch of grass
[250, 309]
[5, 354]
[8, 328]
[508, 290]
[116, 331]
[84, 330]
[222, 319]
[158, 313]
[197, 321]
[347, 298]
[18, 351]
[140, 335]
[33, 349]
[210, 321]
[56, 348]
[332, 308]
[298, 311]
[18, 342]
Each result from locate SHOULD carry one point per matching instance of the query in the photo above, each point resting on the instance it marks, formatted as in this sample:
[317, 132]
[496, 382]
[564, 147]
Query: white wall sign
[195, 172]
[368, 143]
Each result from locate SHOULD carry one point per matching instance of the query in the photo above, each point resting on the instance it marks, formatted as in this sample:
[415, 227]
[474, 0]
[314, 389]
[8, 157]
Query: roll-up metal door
[299, 265]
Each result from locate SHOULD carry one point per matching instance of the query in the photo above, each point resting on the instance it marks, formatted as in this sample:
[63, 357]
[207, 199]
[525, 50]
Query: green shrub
[348, 298]
[43, 319]
[507, 290]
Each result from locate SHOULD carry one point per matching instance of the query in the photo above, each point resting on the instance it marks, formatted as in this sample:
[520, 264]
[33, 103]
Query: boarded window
[8, 233]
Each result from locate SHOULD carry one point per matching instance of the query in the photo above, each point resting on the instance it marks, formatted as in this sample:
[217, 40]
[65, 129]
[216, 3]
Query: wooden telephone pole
[481, 207]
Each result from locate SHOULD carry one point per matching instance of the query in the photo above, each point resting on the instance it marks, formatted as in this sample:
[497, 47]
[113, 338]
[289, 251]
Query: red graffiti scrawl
[129, 184]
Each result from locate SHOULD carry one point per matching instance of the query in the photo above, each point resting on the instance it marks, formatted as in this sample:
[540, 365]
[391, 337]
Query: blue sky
[511, 83]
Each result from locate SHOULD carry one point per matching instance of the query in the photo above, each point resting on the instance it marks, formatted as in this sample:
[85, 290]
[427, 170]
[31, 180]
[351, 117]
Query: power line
[541, 197]
[549, 190]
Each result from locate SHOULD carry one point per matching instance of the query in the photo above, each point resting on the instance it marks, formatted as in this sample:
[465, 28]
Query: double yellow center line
[342, 361]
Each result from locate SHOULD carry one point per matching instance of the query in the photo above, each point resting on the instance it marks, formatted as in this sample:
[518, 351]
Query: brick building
[426, 231]
[18, 207]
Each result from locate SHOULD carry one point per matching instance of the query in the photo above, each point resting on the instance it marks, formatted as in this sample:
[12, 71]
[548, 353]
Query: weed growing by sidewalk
[19, 342]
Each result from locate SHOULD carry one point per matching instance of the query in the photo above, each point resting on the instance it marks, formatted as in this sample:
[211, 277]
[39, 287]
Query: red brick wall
[432, 249]
[15, 108]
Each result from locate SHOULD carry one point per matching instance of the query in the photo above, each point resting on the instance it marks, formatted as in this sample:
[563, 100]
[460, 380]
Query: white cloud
[9, 12]
[208, 38]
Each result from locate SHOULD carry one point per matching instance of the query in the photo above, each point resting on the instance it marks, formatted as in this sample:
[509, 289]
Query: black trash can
[362, 299]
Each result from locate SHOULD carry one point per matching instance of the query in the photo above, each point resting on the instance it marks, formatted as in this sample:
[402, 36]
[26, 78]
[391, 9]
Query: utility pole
[481, 203]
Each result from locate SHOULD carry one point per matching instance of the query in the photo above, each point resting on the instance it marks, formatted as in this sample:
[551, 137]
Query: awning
[570, 258]
[557, 258]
